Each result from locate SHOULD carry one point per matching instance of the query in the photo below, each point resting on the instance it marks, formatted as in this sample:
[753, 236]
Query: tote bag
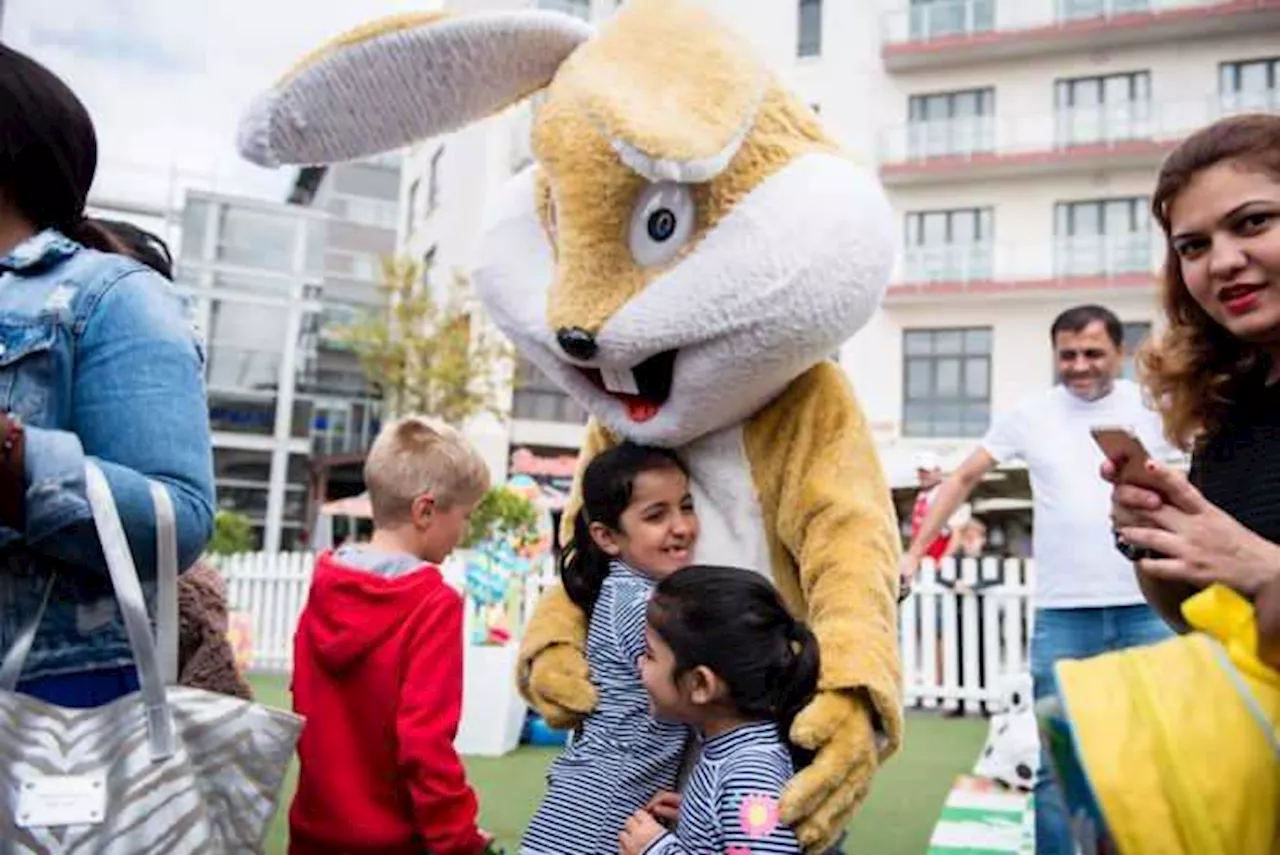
[165, 769]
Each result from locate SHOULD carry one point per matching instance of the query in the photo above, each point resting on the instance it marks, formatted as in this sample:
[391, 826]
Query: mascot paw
[560, 686]
[819, 802]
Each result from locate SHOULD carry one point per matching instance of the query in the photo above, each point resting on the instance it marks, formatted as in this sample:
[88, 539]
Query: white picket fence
[955, 645]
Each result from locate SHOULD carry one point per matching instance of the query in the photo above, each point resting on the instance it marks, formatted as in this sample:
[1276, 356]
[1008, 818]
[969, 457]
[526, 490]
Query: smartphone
[1122, 446]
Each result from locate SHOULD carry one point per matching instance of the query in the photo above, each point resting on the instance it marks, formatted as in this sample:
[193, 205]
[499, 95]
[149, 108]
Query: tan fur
[664, 92]
[832, 534]
[665, 79]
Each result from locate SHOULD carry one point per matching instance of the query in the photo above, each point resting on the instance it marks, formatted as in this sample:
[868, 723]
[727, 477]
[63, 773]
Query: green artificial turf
[897, 818]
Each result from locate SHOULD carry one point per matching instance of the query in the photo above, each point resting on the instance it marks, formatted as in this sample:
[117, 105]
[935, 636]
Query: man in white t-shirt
[1086, 596]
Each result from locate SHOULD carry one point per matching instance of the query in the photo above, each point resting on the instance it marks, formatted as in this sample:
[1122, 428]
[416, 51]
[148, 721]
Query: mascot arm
[836, 520]
[552, 672]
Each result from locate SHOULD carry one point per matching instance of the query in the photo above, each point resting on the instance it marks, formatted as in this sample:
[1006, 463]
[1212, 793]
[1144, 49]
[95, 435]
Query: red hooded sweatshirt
[378, 676]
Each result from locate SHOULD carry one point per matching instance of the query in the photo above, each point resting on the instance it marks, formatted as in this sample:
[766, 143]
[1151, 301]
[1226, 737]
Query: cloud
[166, 80]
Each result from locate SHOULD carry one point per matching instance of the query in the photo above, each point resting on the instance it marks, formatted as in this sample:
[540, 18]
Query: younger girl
[724, 655]
[636, 527]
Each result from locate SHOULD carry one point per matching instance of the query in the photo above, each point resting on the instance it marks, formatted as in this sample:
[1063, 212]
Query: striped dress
[621, 756]
[730, 805]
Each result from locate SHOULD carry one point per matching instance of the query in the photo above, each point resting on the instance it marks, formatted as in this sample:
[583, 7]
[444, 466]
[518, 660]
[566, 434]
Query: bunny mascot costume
[684, 256]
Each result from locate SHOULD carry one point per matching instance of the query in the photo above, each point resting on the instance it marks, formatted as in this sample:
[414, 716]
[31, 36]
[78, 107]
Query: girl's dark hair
[606, 492]
[733, 622]
[48, 148]
[124, 238]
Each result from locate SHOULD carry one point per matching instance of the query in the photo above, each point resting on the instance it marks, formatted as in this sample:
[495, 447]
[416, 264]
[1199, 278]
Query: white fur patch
[730, 519]
[781, 283]
[407, 85]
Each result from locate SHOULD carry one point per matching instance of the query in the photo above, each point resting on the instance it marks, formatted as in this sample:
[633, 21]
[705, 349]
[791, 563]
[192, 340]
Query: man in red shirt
[929, 471]
[378, 664]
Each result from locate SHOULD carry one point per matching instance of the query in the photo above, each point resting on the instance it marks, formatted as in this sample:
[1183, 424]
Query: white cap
[927, 461]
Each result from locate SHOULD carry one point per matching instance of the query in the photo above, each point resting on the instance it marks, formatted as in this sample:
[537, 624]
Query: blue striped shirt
[621, 756]
[730, 806]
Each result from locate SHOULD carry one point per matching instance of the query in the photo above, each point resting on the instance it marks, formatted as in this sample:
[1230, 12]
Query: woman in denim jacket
[97, 360]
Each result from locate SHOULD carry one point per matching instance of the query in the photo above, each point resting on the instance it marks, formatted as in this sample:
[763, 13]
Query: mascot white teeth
[688, 250]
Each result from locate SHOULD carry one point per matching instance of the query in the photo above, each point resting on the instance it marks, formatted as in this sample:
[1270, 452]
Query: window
[411, 209]
[1078, 10]
[949, 246]
[1250, 85]
[537, 398]
[433, 183]
[1103, 237]
[1134, 335]
[810, 40]
[935, 19]
[947, 382]
[951, 123]
[1103, 109]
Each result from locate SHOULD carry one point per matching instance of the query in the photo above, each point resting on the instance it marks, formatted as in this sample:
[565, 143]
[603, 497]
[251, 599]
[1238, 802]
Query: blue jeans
[1077, 634]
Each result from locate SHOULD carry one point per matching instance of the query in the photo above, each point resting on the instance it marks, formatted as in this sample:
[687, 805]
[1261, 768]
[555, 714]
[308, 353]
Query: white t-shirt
[1076, 562]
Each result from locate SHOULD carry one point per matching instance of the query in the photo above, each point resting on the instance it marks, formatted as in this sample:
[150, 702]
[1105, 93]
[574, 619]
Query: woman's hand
[639, 833]
[1199, 542]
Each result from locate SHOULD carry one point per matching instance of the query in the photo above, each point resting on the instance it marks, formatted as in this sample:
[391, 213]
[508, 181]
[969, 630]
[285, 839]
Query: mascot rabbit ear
[403, 79]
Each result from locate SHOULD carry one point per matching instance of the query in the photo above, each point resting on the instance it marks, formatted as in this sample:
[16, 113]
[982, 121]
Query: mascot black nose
[576, 342]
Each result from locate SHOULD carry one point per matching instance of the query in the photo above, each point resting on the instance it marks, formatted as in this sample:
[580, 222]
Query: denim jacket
[97, 358]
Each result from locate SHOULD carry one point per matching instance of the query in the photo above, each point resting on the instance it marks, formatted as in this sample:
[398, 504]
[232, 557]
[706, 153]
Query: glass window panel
[242, 465]
[948, 378]
[976, 375]
[964, 226]
[947, 420]
[948, 342]
[918, 342]
[934, 228]
[977, 341]
[1254, 77]
[919, 378]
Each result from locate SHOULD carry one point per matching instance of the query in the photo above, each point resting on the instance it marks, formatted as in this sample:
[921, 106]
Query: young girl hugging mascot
[685, 254]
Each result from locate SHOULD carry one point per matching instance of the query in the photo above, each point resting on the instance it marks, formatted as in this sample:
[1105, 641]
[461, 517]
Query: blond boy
[378, 663]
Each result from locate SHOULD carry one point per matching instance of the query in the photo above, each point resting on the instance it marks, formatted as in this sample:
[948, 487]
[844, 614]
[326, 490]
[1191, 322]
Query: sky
[165, 80]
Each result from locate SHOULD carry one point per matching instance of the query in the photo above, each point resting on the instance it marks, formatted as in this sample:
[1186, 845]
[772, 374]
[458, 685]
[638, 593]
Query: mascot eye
[661, 223]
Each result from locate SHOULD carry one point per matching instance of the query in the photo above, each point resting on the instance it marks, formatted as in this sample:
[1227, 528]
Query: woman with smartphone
[1214, 374]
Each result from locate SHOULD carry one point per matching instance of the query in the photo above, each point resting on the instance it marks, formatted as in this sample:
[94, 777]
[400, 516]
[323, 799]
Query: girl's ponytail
[797, 684]
[583, 565]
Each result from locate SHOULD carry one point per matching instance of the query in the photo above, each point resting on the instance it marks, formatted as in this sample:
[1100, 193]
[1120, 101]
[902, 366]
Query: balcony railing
[1056, 135]
[974, 262]
[953, 21]
[1128, 259]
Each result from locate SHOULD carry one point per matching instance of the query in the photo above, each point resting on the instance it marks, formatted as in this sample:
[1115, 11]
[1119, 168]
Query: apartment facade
[1018, 141]
[270, 284]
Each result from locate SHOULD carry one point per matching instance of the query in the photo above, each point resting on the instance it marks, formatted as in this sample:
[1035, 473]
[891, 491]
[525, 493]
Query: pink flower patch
[759, 816]
[737, 850]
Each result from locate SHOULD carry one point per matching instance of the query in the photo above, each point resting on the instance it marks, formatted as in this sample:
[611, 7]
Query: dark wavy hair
[1195, 370]
[733, 622]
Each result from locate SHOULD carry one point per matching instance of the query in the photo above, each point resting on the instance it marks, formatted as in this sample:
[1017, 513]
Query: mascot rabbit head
[688, 241]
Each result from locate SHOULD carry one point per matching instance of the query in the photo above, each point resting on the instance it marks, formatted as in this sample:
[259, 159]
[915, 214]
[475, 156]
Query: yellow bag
[1179, 740]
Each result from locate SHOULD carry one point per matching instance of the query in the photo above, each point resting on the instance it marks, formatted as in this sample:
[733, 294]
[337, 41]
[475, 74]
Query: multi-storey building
[1018, 141]
[270, 284]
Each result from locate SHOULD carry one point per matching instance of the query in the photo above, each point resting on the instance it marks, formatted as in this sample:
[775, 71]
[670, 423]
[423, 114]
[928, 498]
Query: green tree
[423, 353]
[424, 356]
[232, 534]
[502, 514]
